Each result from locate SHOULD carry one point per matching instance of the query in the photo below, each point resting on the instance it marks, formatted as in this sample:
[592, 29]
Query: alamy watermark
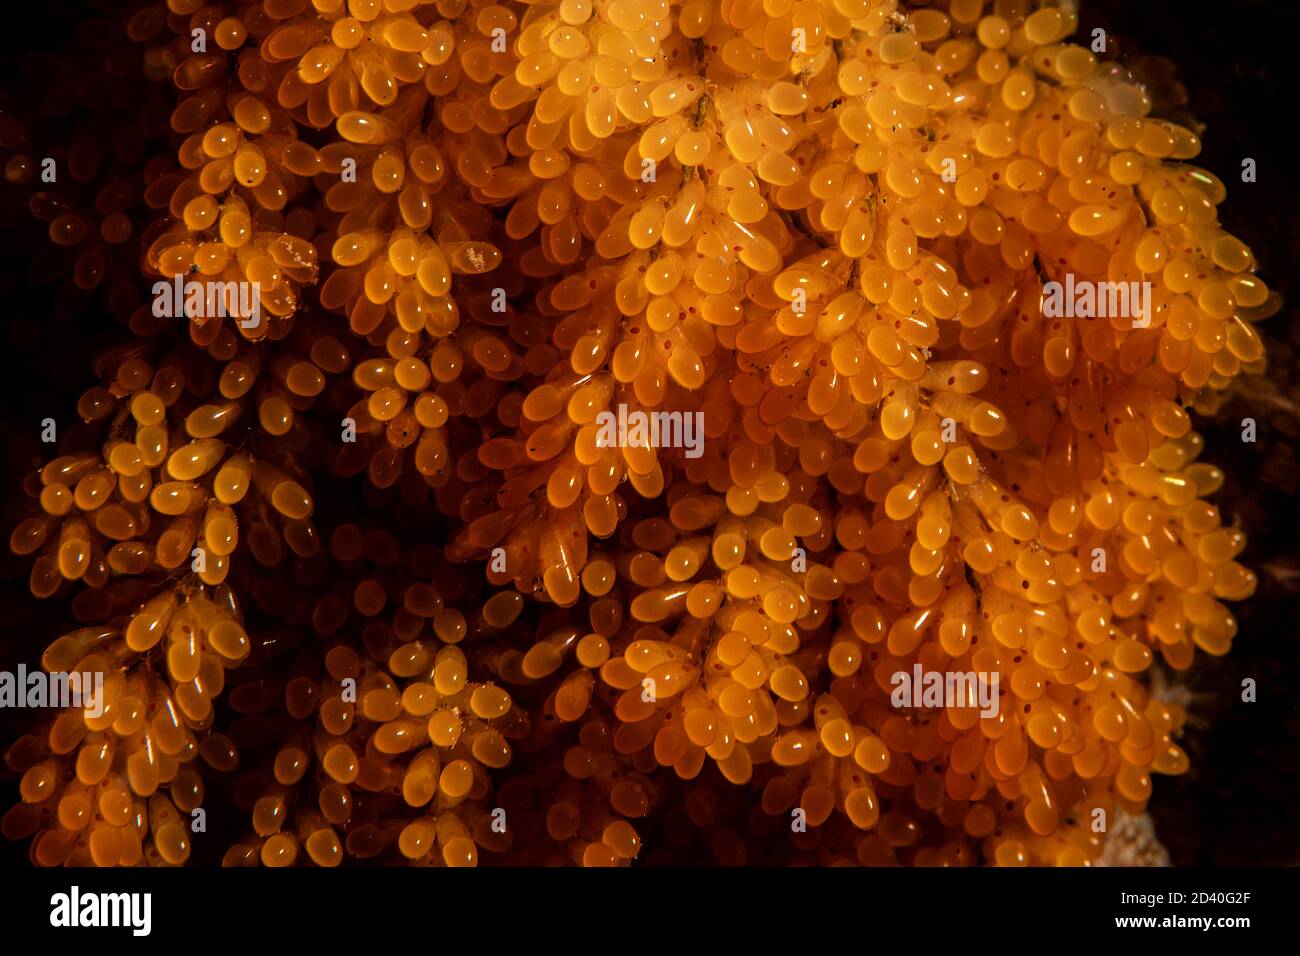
[208, 300]
[934, 689]
[639, 429]
[76, 909]
[39, 688]
[1085, 299]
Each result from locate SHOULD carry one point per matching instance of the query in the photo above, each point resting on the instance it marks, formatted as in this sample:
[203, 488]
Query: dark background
[1236, 75]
